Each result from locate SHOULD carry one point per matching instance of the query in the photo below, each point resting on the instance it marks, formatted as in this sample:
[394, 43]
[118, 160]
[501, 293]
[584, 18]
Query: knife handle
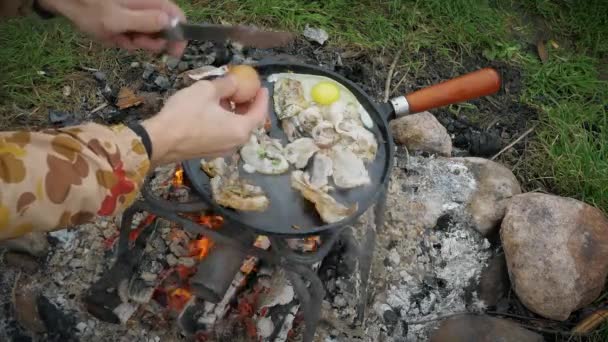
[466, 87]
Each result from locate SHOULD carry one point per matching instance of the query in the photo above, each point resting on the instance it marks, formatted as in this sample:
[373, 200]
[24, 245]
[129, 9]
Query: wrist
[162, 139]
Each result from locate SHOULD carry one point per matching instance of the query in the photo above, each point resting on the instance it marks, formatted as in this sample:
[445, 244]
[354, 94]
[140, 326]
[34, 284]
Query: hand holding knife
[246, 35]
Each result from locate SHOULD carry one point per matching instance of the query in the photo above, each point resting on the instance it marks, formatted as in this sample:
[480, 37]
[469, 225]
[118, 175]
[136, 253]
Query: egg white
[309, 81]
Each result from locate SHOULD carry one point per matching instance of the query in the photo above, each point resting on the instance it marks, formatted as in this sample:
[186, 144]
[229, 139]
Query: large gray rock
[422, 132]
[495, 184]
[468, 328]
[557, 252]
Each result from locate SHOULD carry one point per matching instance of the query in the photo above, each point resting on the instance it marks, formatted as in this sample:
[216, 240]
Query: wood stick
[514, 142]
[389, 79]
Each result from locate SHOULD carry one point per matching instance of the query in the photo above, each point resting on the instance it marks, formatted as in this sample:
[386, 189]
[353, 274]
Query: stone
[494, 281]
[34, 243]
[317, 35]
[162, 82]
[183, 66]
[495, 184]
[148, 71]
[187, 262]
[394, 257]
[557, 252]
[81, 327]
[100, 76]
[466, 328]
[135, 65]
[422, 133]
[171, 260]
[172, 63]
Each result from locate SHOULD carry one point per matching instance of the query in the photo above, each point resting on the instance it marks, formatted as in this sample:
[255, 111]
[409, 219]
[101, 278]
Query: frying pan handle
[466, 87]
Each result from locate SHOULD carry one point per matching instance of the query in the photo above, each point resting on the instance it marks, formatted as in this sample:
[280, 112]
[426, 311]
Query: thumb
[141, 21]
[258, 110]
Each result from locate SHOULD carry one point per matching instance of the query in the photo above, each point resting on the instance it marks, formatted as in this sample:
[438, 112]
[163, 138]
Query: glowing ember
[200, 248]
[185, 272]
[211, 221]
[178, 298]
[178, 177]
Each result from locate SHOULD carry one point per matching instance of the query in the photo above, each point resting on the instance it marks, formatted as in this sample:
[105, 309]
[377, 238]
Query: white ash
[427, 255]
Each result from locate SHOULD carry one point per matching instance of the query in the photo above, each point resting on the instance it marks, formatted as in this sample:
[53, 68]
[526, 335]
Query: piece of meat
[322, 168]
[238, 194]
[358, 139]
[325, 135]
[300, 151]
[290, 127]
[309, 118]
[264, 154]
[288, 98]
[328, 208]
[348, 170]
[215, 167]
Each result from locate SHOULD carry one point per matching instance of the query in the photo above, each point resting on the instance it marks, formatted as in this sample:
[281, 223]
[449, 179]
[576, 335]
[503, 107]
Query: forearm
[57, 178]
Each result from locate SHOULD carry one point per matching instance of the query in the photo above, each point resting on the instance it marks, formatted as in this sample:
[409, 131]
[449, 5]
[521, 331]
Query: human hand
[128, 24]
[195, 122]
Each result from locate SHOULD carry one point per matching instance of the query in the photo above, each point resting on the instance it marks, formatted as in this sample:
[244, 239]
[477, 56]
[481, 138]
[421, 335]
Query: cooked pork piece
[328, 208]
[322, 168]
[264, 154]
[348, 169]
[288, 98]
[215, 167]
[300, 151]
[358, 139]
[325, 135]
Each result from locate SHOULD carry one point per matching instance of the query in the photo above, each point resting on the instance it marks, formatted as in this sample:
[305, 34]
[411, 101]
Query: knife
[246, 35]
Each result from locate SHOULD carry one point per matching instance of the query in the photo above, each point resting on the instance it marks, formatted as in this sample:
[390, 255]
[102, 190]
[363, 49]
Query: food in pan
[348, 170]
[214, 167]
[322, 169]
[328, 208]
[329, 146]
[300, 151]
[264, 155]
[229, 190]
[294, 92]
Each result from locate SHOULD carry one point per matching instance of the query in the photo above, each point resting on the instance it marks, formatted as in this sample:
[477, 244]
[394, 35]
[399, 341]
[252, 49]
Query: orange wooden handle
[466, 87]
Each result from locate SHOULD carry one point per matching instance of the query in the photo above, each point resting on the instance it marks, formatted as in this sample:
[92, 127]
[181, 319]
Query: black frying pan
[289, 213]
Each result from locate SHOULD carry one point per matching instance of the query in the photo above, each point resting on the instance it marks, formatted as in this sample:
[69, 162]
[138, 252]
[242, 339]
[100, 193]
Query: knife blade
[248, 36]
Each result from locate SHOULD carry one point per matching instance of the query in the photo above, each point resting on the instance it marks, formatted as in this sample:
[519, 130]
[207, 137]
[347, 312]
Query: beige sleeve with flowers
[62, 177]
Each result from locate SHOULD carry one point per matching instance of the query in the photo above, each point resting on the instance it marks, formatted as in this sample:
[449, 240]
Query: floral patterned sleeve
[61, 177]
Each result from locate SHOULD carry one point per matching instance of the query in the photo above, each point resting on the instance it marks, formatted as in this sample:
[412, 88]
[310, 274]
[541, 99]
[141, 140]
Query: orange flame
[178, 177]
[178, 298]
[200, 248]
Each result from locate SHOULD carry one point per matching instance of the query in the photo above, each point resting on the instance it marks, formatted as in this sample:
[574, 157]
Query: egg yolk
[325, 93]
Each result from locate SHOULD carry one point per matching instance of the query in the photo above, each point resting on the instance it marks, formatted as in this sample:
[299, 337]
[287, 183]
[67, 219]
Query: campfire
[208, 287]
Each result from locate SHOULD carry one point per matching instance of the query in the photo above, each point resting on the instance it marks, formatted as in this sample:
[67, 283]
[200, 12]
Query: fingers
[146, 42]
[258, 110]
[176, 49]
[140, 21]
[225, 87]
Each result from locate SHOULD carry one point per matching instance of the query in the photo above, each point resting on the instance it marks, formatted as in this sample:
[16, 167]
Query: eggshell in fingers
[248, 83]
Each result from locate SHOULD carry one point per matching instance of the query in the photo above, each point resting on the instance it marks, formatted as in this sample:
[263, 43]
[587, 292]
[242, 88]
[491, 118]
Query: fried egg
[345, 98]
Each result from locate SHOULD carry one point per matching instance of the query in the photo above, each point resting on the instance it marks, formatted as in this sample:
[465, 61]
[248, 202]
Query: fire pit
[221, 257]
